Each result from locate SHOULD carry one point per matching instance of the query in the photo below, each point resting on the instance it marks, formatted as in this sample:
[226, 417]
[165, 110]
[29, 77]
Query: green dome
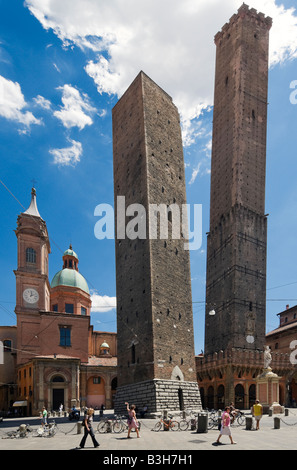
[70, 252]
[70, 277]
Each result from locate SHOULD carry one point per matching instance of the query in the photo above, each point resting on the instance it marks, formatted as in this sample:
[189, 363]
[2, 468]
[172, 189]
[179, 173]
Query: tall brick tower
[156, 365]
[236, 256]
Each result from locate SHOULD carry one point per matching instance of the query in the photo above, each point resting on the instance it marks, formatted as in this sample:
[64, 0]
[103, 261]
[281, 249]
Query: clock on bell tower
[32, 284]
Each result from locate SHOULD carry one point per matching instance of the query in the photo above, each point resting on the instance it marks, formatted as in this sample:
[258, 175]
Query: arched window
[30, 255]
[114, 383]
[239, 396]
[221, 396]
[58, 379]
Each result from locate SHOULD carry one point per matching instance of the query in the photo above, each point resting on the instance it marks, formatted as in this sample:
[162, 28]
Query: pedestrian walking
[132, 420]
[88, 425]
[257, 413]
[225, 426]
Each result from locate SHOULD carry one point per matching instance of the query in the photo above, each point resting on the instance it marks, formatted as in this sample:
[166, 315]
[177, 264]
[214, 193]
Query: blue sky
[63, 66]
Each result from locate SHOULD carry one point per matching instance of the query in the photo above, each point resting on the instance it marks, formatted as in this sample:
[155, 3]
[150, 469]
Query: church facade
[58, 357]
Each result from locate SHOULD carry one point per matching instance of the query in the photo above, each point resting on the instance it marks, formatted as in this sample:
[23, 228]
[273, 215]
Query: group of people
[227, 419]
[229, 415]
[88, 425]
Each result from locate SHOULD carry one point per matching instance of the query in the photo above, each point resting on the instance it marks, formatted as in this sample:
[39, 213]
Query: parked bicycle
[22, 431]
[48, 430]
[109, 425]
[213, 421]
[189, 421]
[238, 419]
[169, 424]
[117, 425]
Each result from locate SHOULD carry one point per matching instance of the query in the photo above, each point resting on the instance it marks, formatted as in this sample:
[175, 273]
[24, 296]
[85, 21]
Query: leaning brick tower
[156, 358]
[236, 244]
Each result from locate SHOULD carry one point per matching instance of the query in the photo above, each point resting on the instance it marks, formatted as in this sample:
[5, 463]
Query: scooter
[74, 414]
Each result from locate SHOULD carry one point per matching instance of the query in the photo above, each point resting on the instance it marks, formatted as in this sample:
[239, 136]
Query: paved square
[181, 442]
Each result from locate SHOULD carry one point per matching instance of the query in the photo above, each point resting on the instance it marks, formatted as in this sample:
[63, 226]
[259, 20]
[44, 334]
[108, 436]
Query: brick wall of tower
[236, 258]
[236, 281]
[240, 114]
[170, 262]
[153, 276]
[133, 280]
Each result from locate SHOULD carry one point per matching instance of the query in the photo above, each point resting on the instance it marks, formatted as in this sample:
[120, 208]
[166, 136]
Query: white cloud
[68, 156]
[56, 67]
[102, 303]
[42, 102]
[13, 104]
[75, 107]
[195, 173]
[171, 41]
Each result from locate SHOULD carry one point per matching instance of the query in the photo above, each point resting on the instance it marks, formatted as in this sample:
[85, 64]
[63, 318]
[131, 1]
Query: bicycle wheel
[102, 427]
[174, 425]
[157, 426]
[212, 422]
[183, 425]
[118, 427]
[240, 420]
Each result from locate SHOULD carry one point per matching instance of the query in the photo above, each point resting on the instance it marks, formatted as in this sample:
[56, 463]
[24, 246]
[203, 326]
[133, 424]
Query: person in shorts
[257, 413]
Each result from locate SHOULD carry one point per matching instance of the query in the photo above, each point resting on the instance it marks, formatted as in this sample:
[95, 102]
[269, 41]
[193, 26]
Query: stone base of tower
[159, 395]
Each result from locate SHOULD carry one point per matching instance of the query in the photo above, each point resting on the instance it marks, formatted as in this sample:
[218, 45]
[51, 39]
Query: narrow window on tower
[133, 354]
[30, 256]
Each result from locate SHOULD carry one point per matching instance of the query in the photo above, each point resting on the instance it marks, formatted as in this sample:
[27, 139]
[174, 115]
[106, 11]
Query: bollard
[286, 412]
[276, 423]
[202, 425]
[219, 423]
[270, 412]
[248, 423]
[79, 427]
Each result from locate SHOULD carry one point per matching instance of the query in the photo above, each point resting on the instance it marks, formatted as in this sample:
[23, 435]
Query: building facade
[156, 359]
[283, 345]
[8, 377]
[59, 358]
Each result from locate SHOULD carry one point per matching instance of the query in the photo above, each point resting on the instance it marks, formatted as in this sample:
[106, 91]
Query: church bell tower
[32, 284]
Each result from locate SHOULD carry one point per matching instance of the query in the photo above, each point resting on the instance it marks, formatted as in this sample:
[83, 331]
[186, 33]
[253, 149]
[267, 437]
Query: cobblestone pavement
[182, 442]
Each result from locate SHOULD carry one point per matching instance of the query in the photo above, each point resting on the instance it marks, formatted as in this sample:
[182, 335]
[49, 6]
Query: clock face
[30, 296]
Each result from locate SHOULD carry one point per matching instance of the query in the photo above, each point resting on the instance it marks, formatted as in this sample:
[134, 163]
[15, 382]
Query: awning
[20, 403]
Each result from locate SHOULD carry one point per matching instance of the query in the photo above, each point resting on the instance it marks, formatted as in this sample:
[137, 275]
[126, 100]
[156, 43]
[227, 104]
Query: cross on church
[33, 181]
